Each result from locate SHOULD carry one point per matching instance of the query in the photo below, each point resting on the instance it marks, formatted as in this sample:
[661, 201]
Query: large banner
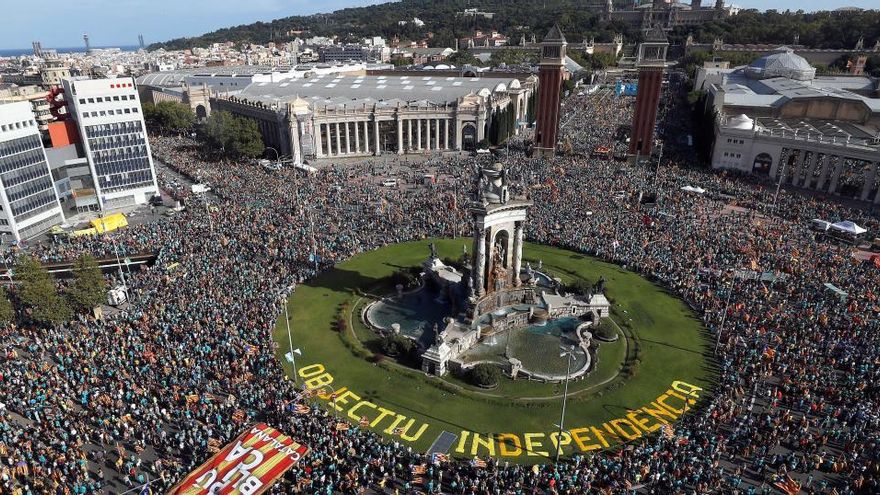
[247, 466]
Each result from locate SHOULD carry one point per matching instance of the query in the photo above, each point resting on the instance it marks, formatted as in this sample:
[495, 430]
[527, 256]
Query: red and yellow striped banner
[247, 466]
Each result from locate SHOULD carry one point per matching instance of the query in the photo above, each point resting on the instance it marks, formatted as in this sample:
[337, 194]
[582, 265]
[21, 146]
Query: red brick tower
[550, 78]
[651, 62]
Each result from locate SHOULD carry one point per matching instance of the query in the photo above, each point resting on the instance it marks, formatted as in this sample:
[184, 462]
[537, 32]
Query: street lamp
[277, 156]
[116, 250]
[292, 351]
[569, 355]
[724, 316]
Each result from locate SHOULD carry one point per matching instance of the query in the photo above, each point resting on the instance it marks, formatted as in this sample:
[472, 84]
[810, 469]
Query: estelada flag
[342, 426]
[478, 463]
[249, 465]
[420, 469]
[364, 422]
[302, 409]
[788, 486]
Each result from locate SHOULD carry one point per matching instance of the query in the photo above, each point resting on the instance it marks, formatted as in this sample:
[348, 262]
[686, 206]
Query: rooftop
[337, 90]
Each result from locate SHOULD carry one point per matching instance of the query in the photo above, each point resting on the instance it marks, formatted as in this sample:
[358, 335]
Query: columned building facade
[379, 114]
[800, 155]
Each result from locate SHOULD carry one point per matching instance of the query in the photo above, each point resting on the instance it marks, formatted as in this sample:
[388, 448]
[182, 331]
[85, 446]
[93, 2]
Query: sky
[118, 22]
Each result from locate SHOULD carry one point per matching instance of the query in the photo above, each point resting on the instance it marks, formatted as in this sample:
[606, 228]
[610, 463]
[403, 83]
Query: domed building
[777, 118]
[783, 63]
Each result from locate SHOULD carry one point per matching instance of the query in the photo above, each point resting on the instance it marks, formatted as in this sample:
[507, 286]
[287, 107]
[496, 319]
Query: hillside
[579, 20]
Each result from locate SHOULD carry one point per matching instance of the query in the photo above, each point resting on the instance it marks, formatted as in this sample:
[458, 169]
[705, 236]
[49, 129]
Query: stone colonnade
[832, 173]
[364, 135]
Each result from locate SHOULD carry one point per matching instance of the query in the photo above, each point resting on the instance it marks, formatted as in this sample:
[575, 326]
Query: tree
[38, 292]
[234, 135]
[396, 346]
[89, 287]
[463, 57]
[246, 138]
[484, 375]
[6, 312]
[169, 116]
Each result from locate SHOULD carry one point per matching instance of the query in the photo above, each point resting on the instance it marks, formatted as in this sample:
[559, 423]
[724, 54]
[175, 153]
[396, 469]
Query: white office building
[28, 200]
[114, 138]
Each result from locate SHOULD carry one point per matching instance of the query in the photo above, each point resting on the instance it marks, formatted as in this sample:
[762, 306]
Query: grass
[663, 342]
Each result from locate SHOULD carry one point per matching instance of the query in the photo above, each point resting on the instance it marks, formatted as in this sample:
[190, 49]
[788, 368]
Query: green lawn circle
[662, 343]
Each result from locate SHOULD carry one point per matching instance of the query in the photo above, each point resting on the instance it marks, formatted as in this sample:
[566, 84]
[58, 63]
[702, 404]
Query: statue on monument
[499, 273]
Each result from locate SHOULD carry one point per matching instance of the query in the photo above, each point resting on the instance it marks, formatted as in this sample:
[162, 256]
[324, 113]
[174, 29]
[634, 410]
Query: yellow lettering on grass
[478, 441]
[505, 441]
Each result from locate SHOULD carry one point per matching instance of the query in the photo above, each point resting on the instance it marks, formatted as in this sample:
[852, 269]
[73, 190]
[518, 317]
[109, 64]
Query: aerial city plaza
[441, 247]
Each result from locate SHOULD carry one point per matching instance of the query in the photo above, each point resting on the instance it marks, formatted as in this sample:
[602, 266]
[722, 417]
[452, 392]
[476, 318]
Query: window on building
[82, 101]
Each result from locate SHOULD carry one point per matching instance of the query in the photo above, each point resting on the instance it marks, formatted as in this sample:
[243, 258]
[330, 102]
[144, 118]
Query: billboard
[247, 466]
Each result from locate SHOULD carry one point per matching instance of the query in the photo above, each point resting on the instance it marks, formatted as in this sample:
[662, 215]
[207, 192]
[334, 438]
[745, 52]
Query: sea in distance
[17, 52]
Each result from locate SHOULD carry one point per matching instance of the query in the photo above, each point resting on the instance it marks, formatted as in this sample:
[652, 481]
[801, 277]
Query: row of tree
[169, 116]
[502, 125]
[229, 134]
[580, 20]
[233, 135]
[40, 299]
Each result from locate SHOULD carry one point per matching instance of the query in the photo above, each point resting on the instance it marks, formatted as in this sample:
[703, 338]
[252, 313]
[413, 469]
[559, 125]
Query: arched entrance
[201, 112]
[469, 137]
[762, 164]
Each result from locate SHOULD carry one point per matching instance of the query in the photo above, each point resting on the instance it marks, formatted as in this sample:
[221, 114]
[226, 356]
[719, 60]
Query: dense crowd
[101, 406]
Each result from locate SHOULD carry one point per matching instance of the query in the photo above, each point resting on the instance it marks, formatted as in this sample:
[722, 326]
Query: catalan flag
[238, 416]
[364, 422]
[420, 469]
[342, 426]
[668, 432]
[302, 409]
[788, 486]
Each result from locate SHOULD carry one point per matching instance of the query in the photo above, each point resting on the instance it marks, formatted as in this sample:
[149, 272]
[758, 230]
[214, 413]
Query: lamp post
[290, 339]
[779, 184]
[277, 156]
[724, 315]
[569, 355]
[118, 262]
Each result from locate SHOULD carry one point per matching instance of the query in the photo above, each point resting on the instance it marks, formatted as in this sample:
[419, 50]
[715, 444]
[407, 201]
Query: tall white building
[114, 138]
[28, 199]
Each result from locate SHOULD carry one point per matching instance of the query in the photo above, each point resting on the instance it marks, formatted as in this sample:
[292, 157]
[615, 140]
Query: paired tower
[550, 77]
[651, 62]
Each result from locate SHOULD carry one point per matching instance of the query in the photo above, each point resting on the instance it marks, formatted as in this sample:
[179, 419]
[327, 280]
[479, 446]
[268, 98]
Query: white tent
[695, 190]
[848, 227]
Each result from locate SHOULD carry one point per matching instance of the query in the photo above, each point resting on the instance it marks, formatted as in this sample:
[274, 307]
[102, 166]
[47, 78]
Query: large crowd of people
[104, 406]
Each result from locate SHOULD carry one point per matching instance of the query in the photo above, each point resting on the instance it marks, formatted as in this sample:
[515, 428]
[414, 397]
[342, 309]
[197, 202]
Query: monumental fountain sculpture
[493, 296]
